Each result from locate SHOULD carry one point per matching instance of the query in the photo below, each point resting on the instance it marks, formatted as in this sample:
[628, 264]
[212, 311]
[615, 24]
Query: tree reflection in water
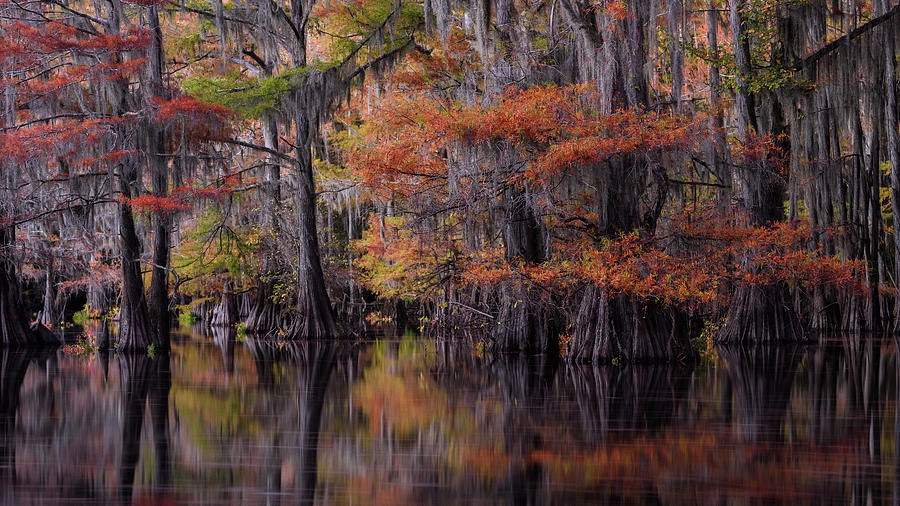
[761, 377]
[314, 363]
[145, 381]
[411, 421]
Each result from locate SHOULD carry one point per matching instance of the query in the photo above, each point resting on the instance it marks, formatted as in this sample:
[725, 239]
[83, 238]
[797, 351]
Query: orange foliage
[554, 128]
[643, 268]
[616, 9]
[396, 262]
[444, 63]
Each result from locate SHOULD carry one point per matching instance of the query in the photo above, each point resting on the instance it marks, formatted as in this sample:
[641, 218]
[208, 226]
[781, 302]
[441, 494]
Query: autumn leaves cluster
[420, 150]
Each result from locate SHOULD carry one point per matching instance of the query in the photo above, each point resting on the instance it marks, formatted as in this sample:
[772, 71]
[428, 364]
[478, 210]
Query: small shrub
[185, 317]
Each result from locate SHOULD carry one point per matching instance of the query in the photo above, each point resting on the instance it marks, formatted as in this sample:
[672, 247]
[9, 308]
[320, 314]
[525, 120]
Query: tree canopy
[598, 179]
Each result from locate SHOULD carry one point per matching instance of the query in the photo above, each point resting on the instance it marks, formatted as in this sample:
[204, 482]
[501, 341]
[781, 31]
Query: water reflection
[12, 372]
[760, 378]
[226, 420]
[313, 364]
[145, 381]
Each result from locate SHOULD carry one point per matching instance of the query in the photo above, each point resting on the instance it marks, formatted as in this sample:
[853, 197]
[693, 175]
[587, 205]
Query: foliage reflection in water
[409, 421]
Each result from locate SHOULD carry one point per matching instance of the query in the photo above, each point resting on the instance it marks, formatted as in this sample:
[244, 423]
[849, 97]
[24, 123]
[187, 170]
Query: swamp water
[410, 421]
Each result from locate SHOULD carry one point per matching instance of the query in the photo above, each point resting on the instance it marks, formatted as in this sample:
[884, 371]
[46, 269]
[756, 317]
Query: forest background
[603, 180]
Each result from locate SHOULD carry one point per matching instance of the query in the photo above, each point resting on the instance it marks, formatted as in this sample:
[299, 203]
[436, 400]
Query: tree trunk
[14, 328]
[162, 221]
[317, 317]
[522, 324]
[134, 322]
[758, 313]
[263, 318]
[272, 188]
[745, 113]
[226, 312]
[50, 315]
[718, 147]
[159, 281]
[893, 147]
[761, 314]
[627, 328]
[523, 233]
[676, 56]
[874, 210]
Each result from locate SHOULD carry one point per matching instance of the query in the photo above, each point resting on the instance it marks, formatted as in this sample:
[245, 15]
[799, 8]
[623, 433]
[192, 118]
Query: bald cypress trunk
[135, 331]
[745, 113]
[226, 312]
[159, 281]
[523, 233]
[874, 211]
[162, 221]
[316, 314]
[264, 314]
[717, 146]
[50, 315]
[158, 304]
[162, 231]
[676, 55]
[893, 148]
[14, 329]
[272, 188]
[759, 313]
[630, 194]
[522, 323]
[762, 313]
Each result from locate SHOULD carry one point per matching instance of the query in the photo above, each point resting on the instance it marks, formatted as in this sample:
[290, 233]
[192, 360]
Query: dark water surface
[410, 422]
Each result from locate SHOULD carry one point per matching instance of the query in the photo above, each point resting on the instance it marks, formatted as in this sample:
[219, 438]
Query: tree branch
[835, 44]
[264, 149]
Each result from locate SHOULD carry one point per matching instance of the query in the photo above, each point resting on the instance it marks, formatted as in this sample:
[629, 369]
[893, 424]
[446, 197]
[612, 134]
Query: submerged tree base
[627, 328]
[264, 317]
[524, 325]
[762, 314]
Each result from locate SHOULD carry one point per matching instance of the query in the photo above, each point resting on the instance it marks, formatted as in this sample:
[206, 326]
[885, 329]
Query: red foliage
[66, 139]
[182, 198]
[25, 43]
[154, 204]
[201, 120]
